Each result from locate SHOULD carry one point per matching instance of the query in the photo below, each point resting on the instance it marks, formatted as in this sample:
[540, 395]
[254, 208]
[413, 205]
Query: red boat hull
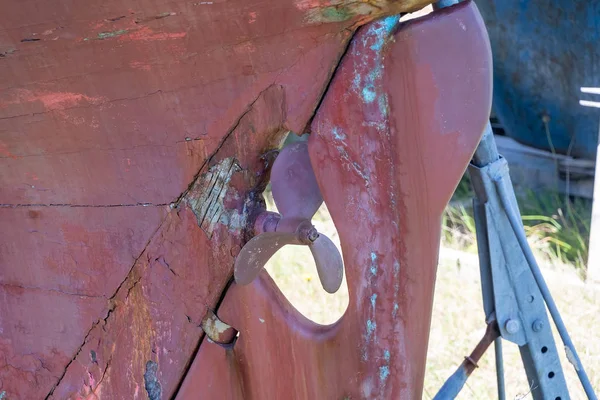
[130, 137]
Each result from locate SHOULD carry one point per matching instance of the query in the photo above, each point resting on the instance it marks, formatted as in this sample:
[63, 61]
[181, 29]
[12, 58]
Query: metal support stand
[515, 294]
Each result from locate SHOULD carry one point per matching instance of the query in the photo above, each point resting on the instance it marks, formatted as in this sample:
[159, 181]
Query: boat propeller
[297, 197]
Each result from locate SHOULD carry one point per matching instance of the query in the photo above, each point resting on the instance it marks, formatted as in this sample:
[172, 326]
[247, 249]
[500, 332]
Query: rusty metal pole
[456, 382]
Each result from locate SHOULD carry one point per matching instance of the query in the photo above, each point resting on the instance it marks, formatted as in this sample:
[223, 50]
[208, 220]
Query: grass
[558, 229]
[458, 228]
[458, 324]
[293, 269]
[458, 320]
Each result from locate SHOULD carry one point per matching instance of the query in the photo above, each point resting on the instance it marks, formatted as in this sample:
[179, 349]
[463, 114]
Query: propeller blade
[295, 189]
[255, 254]
[329, 263]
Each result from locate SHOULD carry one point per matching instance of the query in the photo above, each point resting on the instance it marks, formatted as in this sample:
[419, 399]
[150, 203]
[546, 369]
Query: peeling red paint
[51, 100]
[140, 65]
[147, 34]
[31, 175]
[98, 25]
[5, 152]
[128, 162]
[244, 48]
[309, 4]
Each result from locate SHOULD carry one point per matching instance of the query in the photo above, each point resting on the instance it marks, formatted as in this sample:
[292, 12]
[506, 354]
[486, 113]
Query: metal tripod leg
[509, 289]
[501, 192]
[515, 294]
[494, 192]
[499, 368]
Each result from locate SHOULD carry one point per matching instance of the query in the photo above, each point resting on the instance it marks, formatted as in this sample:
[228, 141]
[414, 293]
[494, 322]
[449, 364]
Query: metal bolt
[313, 235]
[512, 326]
[537, 325]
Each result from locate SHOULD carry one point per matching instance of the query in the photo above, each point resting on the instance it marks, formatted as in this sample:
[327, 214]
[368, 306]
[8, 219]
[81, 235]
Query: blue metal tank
[544, 52]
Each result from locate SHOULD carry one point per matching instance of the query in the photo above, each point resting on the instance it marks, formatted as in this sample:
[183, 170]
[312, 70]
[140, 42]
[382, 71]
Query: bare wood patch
[343, 10]
[207, 195]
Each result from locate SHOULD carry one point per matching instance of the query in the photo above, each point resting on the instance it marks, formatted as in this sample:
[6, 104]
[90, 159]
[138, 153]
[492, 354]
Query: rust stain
[215, 327]
[33, 214]
[217, 330]
[141, 330]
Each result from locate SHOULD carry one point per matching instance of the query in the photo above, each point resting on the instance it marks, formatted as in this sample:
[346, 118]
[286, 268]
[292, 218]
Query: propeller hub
[312, 235]
[306, 232]
[297, 197]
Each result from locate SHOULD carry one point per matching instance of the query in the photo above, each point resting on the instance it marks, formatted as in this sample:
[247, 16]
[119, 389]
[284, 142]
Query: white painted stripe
[592, 90]
[587, 103]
